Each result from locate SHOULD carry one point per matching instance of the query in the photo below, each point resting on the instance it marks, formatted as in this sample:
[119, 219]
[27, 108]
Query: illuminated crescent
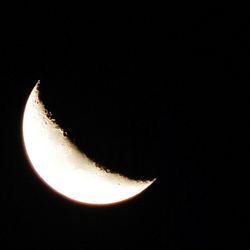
[67, 170]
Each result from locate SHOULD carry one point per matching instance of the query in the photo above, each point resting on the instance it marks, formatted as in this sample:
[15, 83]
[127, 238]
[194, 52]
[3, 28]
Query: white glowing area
[63, 167]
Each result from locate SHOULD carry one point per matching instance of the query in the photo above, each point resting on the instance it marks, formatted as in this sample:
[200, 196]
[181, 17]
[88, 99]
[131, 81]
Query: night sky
[147, 95]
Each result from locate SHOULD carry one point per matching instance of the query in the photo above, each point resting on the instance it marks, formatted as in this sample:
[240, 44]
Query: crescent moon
[64, 168]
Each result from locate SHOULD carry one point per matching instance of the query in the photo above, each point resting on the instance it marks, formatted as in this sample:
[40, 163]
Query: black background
[148, 95]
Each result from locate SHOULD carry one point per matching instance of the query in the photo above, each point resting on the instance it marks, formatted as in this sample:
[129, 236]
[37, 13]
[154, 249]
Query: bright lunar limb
[67, 170]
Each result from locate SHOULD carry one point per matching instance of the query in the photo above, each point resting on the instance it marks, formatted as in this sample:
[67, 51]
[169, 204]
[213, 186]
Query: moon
[64, 168]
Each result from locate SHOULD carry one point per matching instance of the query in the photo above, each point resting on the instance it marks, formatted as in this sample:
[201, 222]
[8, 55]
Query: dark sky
[147, 95]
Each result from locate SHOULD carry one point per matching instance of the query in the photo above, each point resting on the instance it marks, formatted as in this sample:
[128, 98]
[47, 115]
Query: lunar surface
[63, 167]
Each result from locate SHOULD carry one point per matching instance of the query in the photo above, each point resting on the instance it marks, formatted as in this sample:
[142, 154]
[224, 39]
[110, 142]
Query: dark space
[147, 95]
